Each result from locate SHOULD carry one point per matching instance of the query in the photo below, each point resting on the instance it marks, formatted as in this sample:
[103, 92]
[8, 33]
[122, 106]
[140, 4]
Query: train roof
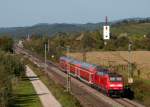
[68, 59]
[74, 61]
[87, 65]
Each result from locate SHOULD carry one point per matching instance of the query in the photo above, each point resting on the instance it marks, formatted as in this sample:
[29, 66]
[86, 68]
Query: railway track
[88, 96]
[125, 103]
[128, 103]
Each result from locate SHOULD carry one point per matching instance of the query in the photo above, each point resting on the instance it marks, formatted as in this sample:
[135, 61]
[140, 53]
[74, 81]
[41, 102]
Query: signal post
[106, 31]
[68, 72]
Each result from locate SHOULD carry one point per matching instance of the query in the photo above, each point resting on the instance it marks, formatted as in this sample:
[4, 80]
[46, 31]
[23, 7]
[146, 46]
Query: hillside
[49, 29]
[132, 29]
[132, 26]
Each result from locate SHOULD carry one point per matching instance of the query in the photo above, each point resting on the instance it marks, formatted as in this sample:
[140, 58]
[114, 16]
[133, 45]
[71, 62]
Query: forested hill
[126, 25]
[49, 29]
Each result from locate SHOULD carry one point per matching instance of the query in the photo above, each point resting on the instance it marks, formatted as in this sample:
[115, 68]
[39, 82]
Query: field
[115, 58]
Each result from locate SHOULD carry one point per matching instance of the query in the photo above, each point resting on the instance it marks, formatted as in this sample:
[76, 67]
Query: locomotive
[94, 75]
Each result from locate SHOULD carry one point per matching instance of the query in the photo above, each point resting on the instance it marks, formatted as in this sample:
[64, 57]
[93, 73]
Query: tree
[87, 41]
[6, 43]
[10, 67]
[98, 40]
[122, 43]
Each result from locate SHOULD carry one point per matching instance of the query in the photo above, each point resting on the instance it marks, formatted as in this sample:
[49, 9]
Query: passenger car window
[100, 73]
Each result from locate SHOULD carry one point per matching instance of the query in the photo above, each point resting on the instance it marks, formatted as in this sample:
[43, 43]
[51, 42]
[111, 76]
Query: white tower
[106, 30]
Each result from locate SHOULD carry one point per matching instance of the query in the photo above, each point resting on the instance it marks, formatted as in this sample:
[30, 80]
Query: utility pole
[130, 79]
[68, 72]
[84, 55]
[45, 58]
[48, 45]
[28, 37]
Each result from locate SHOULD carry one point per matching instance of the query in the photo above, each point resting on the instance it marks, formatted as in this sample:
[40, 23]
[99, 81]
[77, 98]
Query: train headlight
[116, 85]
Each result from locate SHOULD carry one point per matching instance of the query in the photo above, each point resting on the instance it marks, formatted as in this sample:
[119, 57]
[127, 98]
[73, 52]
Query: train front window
[112, 79]
[115, 79]
[119, 78]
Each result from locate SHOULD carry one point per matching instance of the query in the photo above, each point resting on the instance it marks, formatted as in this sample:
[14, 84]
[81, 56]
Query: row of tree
[85, 41]
[10, 68]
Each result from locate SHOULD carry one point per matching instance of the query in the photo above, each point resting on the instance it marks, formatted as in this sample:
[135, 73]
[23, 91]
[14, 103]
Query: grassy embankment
[25, 95]
[66, 99]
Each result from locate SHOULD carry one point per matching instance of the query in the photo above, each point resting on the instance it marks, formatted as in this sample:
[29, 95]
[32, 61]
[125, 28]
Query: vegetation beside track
[142, 91]
[15, 89]
[11, 70]
[25, 95]
[65, 98]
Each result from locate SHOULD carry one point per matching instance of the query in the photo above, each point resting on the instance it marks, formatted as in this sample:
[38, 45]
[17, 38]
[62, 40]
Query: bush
[142, 91]
[6, 44]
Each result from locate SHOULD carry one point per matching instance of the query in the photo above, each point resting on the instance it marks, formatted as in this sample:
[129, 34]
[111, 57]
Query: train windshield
[115, 79]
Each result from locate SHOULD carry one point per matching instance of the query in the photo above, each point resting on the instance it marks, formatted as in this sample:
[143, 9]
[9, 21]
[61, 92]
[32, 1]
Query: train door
[97, 80]
[76, 71]
[90, 78]
[100, 79]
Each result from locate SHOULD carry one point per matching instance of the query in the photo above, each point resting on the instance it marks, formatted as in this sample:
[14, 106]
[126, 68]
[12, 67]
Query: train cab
[108, 82]
[115, 84]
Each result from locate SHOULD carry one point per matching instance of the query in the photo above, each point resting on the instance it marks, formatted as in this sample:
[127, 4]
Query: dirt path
[46, 97]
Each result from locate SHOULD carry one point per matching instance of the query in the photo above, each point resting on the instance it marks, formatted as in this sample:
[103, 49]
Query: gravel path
[46, 97]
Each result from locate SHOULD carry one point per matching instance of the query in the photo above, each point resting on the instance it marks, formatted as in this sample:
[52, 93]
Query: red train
[96, 76]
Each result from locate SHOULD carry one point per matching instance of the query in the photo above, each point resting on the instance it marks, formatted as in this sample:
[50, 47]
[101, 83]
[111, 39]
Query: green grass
[25, 95]
[65, 98]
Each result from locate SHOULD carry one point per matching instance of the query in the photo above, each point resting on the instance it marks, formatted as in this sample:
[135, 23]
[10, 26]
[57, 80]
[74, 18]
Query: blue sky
[30, 12]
